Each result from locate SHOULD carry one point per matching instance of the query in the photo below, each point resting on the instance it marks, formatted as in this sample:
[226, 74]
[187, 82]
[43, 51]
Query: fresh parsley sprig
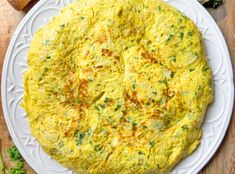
[15, 156]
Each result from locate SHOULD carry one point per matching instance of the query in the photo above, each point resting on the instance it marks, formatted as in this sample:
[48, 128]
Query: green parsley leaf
[173, 58]
[18, 169]
[118, 107]
[79, 136]
[184, 127]
[170, 36]
[98, 147]
[151, 143]
[14, 154]
[133, 86]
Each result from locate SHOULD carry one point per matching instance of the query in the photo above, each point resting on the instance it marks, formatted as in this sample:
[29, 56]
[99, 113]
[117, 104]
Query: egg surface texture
[118, 87]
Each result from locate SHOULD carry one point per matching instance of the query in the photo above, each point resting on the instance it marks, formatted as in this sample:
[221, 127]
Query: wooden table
[223, 161]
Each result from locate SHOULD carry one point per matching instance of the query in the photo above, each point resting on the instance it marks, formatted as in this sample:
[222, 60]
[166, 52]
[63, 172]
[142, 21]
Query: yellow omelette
[118, 86]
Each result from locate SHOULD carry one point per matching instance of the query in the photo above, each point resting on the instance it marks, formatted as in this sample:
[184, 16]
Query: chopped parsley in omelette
[118, 86]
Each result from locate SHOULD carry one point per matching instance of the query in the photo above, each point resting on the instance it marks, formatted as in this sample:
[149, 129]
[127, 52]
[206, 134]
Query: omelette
[118, 87]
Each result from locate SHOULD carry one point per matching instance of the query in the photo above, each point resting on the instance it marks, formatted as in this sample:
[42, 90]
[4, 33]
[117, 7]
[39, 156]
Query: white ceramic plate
[216, 120]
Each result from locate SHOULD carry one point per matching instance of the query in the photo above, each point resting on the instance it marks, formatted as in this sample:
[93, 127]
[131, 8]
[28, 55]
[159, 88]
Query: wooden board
[223, 161]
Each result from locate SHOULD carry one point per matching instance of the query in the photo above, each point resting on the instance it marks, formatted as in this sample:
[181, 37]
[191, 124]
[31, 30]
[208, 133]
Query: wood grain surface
[223, 161]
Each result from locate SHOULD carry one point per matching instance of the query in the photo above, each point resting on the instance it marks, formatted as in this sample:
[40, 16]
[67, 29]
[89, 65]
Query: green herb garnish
[170, 36]
[184, 127]
[159, 101]
[133, 86]
[90, 79]
[190, 33]
[98, 147]
[151, 143]
[62, 25]
[80, 137]
[14, 154]
[141, 153]
[173, 58]
[148, 103]
[78, 100]
[205, 68]
[18, 168]
[134, 123]
[106, 100]
[46, 42]
[96, 107]
[191, 69]
[181, 35]
[162, 81]
[118, 107]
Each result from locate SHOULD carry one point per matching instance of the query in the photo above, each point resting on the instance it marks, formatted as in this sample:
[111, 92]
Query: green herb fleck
[61, 144]
[184, 127]
[191, 69]
[82, 17]
[79, 137]
[205, 68]
[181, 35]
[102, 106]
[133, 86]
[98, 97]
[172, 74]
[173, 58]
[78, 101]
[148, 103]
[120, 12]
[163, 81]
[106, 100]
[62, 25]
[48, 57]
[179, 20]
[141, 153]
[134, 123]
[98, 147]
[151, 143]
[118, 107]
[96, 107]
[170, 36]
[159, 101]
[190, 33]
[155, 93]
[46, 42]
[90, 79]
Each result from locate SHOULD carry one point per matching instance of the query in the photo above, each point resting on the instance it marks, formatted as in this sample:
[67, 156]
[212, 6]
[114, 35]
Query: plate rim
[230, 108]
[34, 9]
[4, 67]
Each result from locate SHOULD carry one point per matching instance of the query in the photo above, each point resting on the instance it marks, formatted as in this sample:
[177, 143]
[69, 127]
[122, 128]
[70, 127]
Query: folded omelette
[118, 87]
